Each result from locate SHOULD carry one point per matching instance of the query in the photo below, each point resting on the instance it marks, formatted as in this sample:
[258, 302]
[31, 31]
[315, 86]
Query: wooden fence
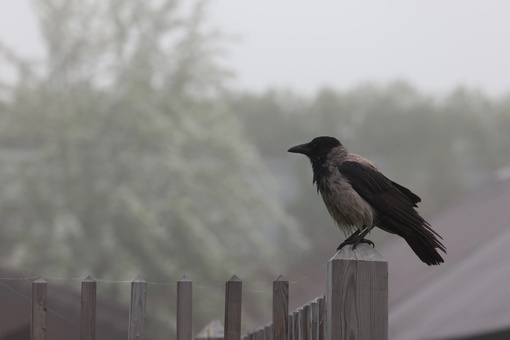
[355, 306]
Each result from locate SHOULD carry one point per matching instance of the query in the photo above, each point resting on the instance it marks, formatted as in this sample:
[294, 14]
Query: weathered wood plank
[295, 324]
[314, 320]
[304, 323]
[280, 308]
[291, 327]
[39, 309]
[322, 318]
[137, 309]
[233, 304]
[184, 308]
[88, 309]
[357, 294]
[268, 332]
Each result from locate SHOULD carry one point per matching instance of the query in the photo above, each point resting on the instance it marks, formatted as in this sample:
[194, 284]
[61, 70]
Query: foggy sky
[305, 44]
[435, 44]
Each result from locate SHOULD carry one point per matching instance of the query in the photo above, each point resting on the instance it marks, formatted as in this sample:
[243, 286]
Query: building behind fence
[355, 306]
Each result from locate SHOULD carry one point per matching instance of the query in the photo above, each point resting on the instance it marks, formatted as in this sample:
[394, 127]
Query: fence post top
[138, 279]
[39, 280]
[363, 252]
[234, 278]
[184, 278]
[281, 278]
[89, 279]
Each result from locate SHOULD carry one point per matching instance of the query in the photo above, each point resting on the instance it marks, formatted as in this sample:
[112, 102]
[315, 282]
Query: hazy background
[436, 45]
[150, 137]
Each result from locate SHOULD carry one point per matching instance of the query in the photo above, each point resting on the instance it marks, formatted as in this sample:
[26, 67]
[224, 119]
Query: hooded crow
[359, 197]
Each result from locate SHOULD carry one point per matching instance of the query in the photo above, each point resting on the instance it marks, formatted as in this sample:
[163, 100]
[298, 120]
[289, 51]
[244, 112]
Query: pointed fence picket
[88, 309]
[39, 309]
[355, 306]
[184, 311]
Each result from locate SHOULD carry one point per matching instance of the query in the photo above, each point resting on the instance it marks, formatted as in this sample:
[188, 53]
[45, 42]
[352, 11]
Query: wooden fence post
[233, 303]
[291, 327]
[184, 308]
[295, 325]
[315, 320]
[357, 294]
[39, 309]
[304, 323]
[268, 332]
[88, 309]
[281, 308]
[322, 318]
[137, 309]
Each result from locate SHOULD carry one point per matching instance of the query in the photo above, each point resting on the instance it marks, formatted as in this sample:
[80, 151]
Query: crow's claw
[355, 243]
[363, 240]
[356, 238]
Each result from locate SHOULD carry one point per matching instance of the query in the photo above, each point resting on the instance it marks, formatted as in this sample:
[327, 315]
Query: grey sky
[436, 44]
[304, 44]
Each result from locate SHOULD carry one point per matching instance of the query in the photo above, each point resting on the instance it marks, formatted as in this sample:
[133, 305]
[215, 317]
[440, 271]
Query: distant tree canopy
[120, 158]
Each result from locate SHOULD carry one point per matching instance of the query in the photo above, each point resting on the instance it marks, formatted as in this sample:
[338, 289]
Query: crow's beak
[302, 148]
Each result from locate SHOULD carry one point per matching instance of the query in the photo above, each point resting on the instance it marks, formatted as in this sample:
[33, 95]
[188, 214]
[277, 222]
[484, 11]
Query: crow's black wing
[395, 210]
[394, 205]
[409, 194]
[371, 184]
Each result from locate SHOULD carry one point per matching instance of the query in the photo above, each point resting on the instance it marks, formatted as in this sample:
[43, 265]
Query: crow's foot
[363, 240]
[356, 238]
[355, 243]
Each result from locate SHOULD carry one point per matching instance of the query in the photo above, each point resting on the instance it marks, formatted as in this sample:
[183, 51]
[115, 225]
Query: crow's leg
[349, 240]
[361, 239]
[356, 238]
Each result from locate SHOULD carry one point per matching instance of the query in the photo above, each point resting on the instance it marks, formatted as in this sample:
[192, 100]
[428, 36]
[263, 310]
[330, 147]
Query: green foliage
[119, 157]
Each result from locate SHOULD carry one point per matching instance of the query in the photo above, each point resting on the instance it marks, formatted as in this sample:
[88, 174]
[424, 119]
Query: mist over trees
[124, 152]
[119, 157]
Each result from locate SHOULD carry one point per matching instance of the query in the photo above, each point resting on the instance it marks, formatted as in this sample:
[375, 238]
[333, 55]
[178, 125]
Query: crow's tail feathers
[424, 243]
[422, 239]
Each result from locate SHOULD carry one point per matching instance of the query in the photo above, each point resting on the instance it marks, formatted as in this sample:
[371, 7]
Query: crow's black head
[317, 151]
[318, 147]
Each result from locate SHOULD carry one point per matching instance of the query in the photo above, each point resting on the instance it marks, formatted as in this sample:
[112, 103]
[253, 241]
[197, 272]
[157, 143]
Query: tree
[119, 156]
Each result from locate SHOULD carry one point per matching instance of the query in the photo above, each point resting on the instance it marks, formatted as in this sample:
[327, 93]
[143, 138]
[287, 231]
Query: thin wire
[202, 286]
[15, 291]
[309, 275]
[18, 278]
